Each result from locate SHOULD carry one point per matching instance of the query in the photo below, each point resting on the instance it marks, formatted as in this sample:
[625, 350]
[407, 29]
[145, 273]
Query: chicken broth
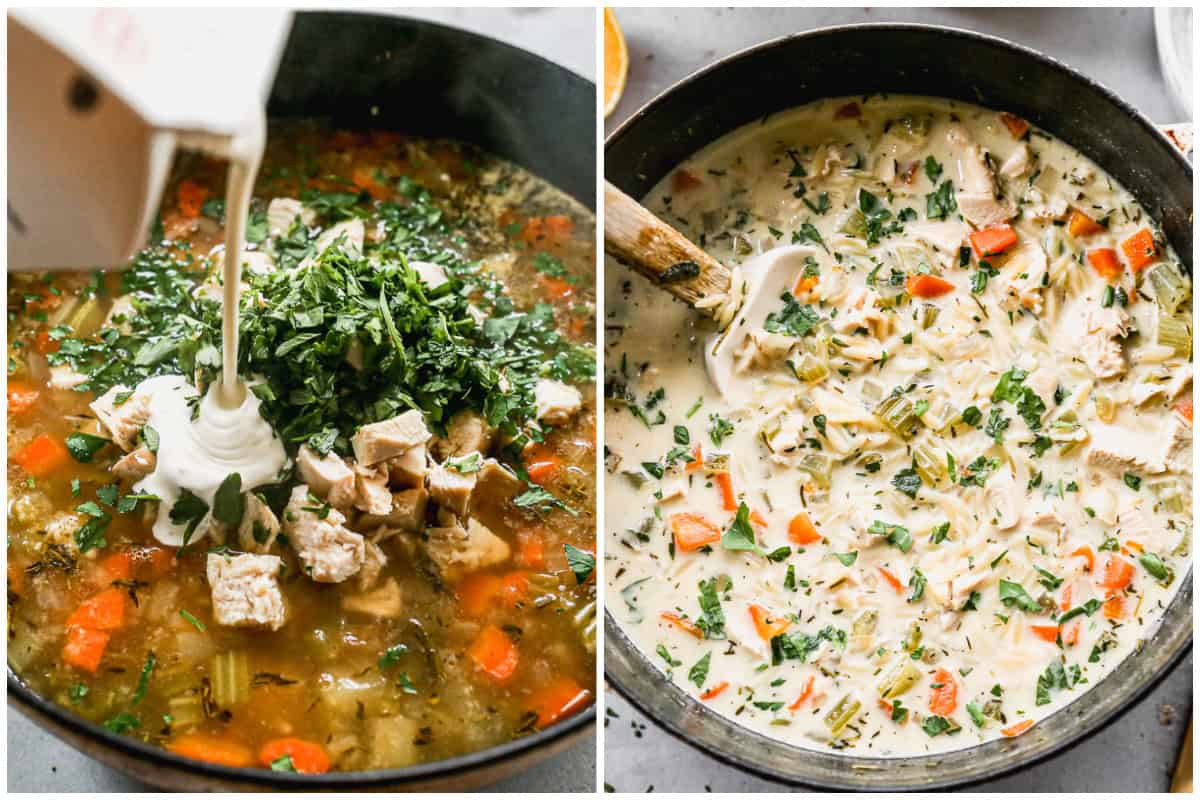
[416, 582]
[953, 489]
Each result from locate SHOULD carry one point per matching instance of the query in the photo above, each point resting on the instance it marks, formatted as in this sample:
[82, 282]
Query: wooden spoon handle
[641, 240]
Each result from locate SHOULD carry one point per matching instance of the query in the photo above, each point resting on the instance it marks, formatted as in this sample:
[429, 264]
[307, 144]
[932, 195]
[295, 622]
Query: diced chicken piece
[329, 552]
[330, 477]
[862, 309]
[407, 513]
[945, 236]
[135, 465]
[1018, 163]
[255, 261]
[120, 313]
[380, 441]
[123, 421]
[1005, 498]
[382, 603]
[282, 212]
[259, 526]
[466, 432]
[1044, 515]
[458, 551]
[372, 494]
[1122, 450]
[245, 590]
[976, 187]
[451, 489]
[1023, 276]
[1177, 453]
[1181, 379]
[432, 275]
[1099, 348]
[373, 563]
[410, 468]
[350, 233]
[556, 402]
[64, 377]
[494, 491]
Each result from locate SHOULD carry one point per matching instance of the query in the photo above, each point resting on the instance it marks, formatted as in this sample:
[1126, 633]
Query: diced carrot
[1065, 602]
[848, 111]
[1086, 552]
[1183, 408]
[943, 696]
[1080, 224]
[892, 580]
[804, 284]
[697, 462]
[1070, 634]
[1104, 260]
[43, 456]
[85, 647]
[1018, 728]
[683, 624]
[22, 397]
[531, 550]
[213, 749]
[1140, 250]
[104, 611]
[494, 653]
[768, 624]
[692, 531]
[558, 699]
[1117, 573]
[44, 344]
[513, 588]
[364, 178]
[541, 463]
[725, 484]
[801, 530]
[804, 694]
[1048, 633]
[306, 756]
[552, 230]
[559, 227]
[757, 519]
[48, 298]
[993, 240]
[191, 197]
[715, 691]
[683, 181]
[476, 592]
[1016, 126]
[1133, 547]
[927, 286]
[117, 567]
[1114, 607]
[555, 288]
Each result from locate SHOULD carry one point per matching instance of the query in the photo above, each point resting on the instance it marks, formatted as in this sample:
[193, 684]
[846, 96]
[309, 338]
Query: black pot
[421, 79]
[919, 60]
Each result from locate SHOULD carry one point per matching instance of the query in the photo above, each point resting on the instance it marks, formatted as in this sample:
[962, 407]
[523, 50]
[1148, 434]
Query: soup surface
[416, 581]
[949, 488]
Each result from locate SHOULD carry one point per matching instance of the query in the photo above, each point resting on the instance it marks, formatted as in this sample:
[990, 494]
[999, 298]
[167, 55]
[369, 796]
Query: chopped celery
[912, 639]
[1106, 409]
[810, 368]
[841, 714]
[929, 315]
[898, 414]
[820, 467]
[899, 679]
[855, 224]
[930, 466]
[1170, 286]
[230, 678]
[1173, 332]
[1169, 493]
[865, 623]
[716, 462]
[186, 709]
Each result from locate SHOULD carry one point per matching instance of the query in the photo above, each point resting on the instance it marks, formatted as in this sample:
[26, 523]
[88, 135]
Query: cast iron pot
[421, 79]
[922, 60]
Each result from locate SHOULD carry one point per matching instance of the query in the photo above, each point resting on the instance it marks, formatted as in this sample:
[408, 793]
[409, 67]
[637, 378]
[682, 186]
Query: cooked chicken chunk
[976, 188]
[1100, 349]
[383, 603]
[380, 441]
[64, 377]
[282, 212]
[329, 551]
[451, 489]
[458, 551]
[409, 469]
[372, 494]
[330, 477]
[1122, 450]
[245, 590]
[122, 420]
[259, 526]
[407, 513]
[135, 465]
[432, 275]
[466, 432]
[556, 402]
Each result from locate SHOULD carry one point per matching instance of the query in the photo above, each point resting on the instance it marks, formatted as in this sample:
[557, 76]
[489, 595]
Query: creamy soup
[385, 554]
[948, 487]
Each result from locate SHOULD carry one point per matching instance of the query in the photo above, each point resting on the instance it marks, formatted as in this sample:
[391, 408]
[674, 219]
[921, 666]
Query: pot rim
[613, 630]
[36, 707]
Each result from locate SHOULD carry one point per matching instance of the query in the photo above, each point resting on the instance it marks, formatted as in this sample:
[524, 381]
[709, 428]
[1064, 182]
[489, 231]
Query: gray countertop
[37, 762]
[1136, 753]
